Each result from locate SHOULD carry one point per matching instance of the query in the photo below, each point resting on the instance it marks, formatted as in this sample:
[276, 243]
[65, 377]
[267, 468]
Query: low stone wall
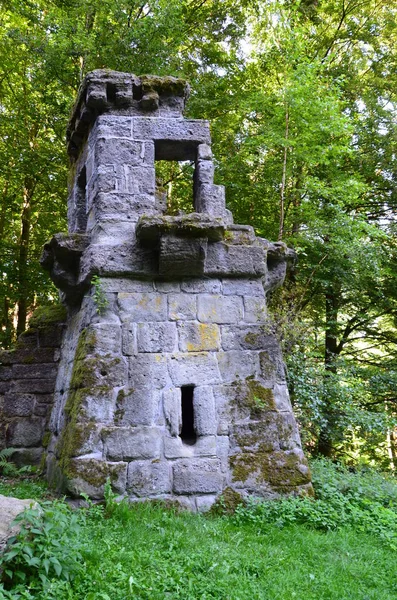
[27, 382]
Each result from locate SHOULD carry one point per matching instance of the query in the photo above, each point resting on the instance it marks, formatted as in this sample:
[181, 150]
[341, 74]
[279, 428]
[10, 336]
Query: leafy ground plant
[44, 549]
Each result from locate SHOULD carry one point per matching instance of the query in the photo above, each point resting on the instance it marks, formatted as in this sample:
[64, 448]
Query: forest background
[301, 96]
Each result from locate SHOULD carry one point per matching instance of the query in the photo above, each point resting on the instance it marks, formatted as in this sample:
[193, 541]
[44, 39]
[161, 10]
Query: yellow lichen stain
[207, 338]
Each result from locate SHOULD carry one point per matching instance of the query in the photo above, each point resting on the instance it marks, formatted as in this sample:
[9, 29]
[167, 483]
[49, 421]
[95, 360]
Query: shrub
[45, 548]
[364, 500]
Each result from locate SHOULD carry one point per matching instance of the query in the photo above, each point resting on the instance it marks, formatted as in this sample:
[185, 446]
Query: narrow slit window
[188, 433]
[80, 202]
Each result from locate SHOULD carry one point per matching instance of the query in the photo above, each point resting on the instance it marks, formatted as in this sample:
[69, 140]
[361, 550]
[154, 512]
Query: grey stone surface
[128, 443]
[213, 308]
[198, 337]
[25, 432]
[149, 478]
[243, 287]
[156, 337]
[236, 261]
[172, 410]
[236, 365]
[186, 307]
[205, 421]
[182, 307]
[149, 370]
[193, 368]
[142, 307]
[9, 509]
[205, 446]
[197, 476]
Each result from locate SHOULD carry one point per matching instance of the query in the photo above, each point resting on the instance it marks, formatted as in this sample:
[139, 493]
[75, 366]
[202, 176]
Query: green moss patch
[45, 316]
[279, 469]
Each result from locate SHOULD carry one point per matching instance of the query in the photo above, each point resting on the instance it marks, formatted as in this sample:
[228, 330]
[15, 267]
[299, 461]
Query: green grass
[27, 487]
[155, 555]
[294, 549]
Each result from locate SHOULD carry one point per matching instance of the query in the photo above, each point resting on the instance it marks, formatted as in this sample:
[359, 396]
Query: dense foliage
[339, 546]
[302, 100]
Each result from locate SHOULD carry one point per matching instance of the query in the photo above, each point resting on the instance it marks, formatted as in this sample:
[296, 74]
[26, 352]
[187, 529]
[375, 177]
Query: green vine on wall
[100, 300]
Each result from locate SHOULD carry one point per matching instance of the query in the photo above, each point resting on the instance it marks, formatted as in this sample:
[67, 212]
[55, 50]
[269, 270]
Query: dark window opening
[80, 202]
[111, 92]
[188, 433]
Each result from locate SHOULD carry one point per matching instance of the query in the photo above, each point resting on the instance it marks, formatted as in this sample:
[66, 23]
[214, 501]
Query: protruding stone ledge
[61, 257]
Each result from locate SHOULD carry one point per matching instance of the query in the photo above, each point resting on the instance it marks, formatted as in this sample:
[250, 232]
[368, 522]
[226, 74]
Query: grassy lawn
[148, 552]
[156, 555]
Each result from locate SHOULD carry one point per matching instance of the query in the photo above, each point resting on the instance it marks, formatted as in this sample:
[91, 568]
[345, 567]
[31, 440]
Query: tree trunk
[23, 285]
[324, 444]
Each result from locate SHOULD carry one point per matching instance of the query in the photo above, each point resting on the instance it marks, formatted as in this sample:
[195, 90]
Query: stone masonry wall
[27, 383]
[167, 327]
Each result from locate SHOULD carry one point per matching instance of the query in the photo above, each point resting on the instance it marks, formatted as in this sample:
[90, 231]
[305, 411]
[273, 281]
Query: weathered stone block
[182, 307]
[128, 443]
[197, 337]
[34, 386]
[167, 287]
[213, 308]
[18, 405]
[197, 476]
[148, 370]
[236, 261]
[258, 337]
[156, 337]
[146, 128]
[107, 337]
[5, 373]
[210, 198]
[172, 410]
[201, 286]
[142, 307]
[193, 368]
[138, 406]
[204, 172]
[128, 337]
[121, 206]
[204, 446]
[34, 371]
[243, 287]
[205, 422]
[124, 151]
[255, 310]
[146, 478]
[89, 475]
[109, 126]
[181, 257]
[137, 180]
[236, 365]
[204, 152]
[126, 286]
[25, 432]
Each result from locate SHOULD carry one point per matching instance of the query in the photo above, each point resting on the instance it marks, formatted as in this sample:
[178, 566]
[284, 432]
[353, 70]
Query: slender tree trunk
[324, 444]
[284, 176]
[23, 287]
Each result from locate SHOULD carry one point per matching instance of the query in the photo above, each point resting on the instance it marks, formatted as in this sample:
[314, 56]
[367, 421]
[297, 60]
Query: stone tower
[171, 382]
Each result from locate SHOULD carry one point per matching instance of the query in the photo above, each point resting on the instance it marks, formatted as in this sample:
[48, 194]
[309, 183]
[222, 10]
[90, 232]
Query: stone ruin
[170, 380]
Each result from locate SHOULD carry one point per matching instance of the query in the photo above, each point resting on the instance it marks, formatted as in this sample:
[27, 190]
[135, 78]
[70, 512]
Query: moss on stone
[168, 86]
[278, 469]
[45, 316]
[95, 472]
[254, 397]
[226, 503]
